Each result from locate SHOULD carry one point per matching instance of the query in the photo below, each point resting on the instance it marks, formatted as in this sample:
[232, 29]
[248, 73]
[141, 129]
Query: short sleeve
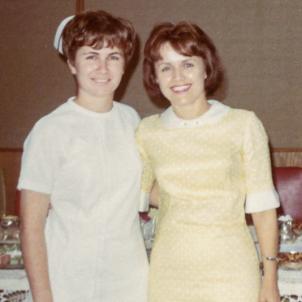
[147, 179]
[39, 161]
[260, 192]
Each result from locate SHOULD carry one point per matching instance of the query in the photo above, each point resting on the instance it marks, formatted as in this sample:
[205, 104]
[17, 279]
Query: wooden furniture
[2, 193]
[288, 183]
[10, 160]
[287, 157]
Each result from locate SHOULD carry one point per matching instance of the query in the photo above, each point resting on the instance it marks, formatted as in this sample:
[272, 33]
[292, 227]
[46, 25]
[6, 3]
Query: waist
[202, 214]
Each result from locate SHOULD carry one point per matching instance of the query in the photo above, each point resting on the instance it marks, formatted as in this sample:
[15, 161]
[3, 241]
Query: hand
[269, 292]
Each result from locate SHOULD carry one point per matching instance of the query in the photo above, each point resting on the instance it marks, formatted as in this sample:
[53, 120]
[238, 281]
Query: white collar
[72, 104]
[215, 113]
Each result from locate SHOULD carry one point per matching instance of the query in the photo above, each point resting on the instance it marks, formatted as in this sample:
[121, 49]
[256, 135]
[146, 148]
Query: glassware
[148, 230]
[10, 227]
[1, 233]
[10, 240]
[287, 233]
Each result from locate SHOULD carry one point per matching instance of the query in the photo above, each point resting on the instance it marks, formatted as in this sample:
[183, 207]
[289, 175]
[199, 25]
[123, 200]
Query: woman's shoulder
[242, 115]
[149, 121]
[147, 126]
[129, 112]
[54, 124]
[246, 121]
[52, 119]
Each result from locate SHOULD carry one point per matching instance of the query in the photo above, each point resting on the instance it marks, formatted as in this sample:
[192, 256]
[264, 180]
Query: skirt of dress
[213, 265]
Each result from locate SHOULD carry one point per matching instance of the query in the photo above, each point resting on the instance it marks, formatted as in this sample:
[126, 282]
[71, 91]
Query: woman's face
[98, 71]
[180, 78]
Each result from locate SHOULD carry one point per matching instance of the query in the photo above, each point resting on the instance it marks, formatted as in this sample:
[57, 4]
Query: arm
[149, 188]
[261, 202]
[267, 232]
[34, 209]
[154, 195]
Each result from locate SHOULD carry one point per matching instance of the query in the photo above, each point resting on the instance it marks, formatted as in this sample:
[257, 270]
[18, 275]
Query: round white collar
[215, 113]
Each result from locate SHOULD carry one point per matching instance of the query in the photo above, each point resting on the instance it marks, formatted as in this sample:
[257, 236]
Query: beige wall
[33, 79]
[259, 42]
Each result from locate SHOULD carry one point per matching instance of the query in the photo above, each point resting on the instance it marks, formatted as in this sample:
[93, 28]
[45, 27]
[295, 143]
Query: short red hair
[96, 29]
[187, 39]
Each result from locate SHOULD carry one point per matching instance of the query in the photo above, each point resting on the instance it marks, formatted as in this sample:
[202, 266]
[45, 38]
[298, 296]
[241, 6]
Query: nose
[178, 74]
[101, 65]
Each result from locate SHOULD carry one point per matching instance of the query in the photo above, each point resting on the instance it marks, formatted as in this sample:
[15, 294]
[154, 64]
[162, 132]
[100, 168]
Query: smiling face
[98, 72]
[181, 79]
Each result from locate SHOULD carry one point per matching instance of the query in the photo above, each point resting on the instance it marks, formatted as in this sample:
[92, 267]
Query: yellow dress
[210, 171]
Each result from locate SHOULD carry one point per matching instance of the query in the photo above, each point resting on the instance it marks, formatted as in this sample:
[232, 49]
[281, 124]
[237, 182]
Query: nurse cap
[57, 43]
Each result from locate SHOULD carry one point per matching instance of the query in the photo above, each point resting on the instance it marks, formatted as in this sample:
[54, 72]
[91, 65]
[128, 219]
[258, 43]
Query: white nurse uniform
[89, 165]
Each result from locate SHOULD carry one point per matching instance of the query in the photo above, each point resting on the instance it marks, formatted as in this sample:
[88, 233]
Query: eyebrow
[161, 62]
[91, 52]
[116, 53]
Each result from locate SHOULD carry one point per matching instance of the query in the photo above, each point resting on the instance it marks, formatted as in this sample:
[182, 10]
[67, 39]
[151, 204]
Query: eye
[91, 57]
[165, 68]
[188, 64]
[115, 57]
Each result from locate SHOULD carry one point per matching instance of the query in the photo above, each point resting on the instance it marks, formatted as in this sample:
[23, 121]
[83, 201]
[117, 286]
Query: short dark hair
[96, 29]
[187, 39]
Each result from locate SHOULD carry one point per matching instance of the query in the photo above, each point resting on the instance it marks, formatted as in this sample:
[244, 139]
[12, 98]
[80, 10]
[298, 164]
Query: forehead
[103, 50]
[169, 54]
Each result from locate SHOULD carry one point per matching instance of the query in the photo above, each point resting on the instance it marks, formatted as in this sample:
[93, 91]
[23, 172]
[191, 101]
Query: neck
[96, 104]
[193, 111]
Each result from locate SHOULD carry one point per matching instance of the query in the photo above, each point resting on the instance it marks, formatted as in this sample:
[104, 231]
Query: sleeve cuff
[144, 202]
[262, 201]
[28, 185]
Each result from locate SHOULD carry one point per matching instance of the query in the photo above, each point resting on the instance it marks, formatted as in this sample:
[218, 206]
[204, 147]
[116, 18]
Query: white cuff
[262, 201]
[144, 202]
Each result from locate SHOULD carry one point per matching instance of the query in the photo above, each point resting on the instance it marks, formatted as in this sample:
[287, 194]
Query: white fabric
[215, 112]
[57, 43]
[144, 202]
[290, 282]
[268, 200]
[13, 279]
[89, 165]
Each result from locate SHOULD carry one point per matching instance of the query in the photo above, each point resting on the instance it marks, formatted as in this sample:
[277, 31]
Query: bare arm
[267, 232]
[154, 195]
[34, 209]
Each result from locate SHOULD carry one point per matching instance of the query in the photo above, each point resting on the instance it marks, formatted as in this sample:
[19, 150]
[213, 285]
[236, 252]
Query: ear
[72, 68]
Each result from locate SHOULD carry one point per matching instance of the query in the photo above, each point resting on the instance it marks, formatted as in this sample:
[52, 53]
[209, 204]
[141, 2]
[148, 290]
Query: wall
[259, 42]
[260, 45]
[33, 79]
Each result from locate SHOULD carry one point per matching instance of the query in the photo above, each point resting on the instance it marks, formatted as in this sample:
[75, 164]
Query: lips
[181, 88]
[100, 81]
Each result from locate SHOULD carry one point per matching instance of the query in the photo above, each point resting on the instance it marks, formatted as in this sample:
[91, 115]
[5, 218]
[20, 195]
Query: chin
[180, 103]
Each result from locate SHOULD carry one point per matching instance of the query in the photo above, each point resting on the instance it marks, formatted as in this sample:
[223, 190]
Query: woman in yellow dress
[212, 164]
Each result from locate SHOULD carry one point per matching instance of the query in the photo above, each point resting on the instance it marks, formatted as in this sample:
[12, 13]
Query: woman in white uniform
[80, 177]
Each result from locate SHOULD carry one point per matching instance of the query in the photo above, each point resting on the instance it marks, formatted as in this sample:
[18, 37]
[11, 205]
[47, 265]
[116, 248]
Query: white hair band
[57, 43]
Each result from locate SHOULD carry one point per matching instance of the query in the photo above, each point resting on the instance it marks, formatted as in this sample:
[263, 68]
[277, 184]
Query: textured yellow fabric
[203, 251]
